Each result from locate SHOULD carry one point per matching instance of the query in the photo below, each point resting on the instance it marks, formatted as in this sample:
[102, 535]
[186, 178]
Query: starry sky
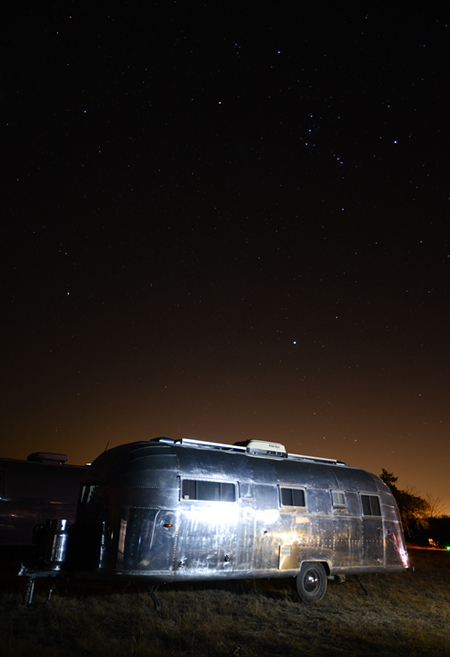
[228, 222]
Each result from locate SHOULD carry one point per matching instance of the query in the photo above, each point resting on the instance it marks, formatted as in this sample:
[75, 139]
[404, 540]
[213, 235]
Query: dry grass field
[405, 615]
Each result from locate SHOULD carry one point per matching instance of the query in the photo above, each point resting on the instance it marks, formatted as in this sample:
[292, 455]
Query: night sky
[229, 222]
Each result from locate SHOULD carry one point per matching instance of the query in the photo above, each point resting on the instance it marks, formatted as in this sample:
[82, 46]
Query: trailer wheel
[311, 582]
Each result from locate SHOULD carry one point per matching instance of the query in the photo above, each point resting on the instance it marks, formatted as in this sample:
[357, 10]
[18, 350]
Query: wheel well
[325, 564]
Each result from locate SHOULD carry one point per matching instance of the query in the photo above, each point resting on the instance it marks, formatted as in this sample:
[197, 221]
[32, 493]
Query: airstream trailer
[32, 491]
[167, 511]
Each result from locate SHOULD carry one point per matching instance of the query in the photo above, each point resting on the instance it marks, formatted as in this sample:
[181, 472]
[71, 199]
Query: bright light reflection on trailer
[209, 514]
[404, 556]
[292, 538]
[122, 532]
[268, 516]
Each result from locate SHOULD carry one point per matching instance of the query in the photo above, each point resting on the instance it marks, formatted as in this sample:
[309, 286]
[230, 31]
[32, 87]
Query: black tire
[311, 582]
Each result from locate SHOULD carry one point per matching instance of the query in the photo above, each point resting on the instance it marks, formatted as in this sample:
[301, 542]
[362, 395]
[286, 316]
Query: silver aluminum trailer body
[184, 510]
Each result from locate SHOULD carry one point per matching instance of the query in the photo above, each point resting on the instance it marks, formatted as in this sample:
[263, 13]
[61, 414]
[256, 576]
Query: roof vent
[264, 448]
[48, 457]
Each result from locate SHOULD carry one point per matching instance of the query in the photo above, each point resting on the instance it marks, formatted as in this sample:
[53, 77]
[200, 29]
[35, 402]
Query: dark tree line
[422, 519]
[415, 511]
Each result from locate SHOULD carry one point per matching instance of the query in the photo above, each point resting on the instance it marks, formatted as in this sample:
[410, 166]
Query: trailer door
[295, 527]
[208, 517]
[372, 531]
[245, 529]
[266, 548]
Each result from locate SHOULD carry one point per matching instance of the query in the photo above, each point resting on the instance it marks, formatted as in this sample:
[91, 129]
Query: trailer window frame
[338, 499]
[93, 500]
[245, 490]
[370, 505]
[292, 497]
[207, 490]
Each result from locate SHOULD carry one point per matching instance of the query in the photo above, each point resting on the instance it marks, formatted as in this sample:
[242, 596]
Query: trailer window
[292, 497]
[210, 491]
[93, 499]
[339, 500]
[371, 505]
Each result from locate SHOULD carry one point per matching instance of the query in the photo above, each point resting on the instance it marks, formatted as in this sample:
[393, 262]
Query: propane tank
[54, 546]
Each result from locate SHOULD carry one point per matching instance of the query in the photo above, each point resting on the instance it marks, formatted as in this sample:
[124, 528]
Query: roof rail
[162, 439]
[318, 459]
[204, 443]
[254, 447]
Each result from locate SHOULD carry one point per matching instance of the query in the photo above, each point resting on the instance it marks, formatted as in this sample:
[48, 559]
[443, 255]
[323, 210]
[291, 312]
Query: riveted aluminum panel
[150, 531]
